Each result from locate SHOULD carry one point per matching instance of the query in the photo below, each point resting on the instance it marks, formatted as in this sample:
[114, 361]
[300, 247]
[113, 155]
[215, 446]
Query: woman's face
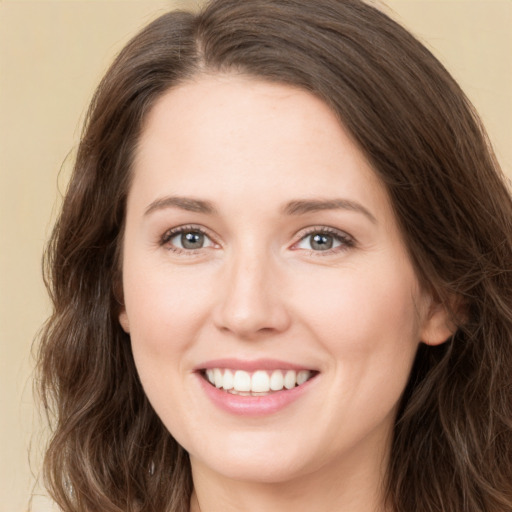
[261, 251]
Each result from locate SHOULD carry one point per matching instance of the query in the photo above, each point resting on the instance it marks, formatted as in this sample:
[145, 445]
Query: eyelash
[171, 233]
[345, 240]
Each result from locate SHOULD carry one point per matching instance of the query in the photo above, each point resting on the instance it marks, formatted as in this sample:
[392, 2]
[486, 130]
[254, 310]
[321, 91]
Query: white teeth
[228, 379]
[276, 380]
[217, 375]
[302, 377]
[242, 381]
[259, 382]
[290, 379]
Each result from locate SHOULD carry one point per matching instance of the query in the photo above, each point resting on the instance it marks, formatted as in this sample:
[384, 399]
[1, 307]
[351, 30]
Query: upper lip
[251, 365]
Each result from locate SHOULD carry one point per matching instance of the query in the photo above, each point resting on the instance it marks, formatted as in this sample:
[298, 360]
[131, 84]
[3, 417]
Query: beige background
[52, 53]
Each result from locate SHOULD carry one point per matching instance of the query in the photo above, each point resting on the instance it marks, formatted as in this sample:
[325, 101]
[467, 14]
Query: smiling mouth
[257, 383]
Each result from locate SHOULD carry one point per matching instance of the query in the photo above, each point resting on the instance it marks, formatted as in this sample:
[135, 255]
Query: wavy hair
[452, 444]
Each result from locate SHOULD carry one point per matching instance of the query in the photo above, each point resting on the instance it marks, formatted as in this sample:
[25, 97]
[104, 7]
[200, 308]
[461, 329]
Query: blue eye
[187, 239]
[320, 240]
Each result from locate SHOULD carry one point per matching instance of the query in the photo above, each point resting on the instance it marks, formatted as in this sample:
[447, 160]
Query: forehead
[223, 133]
[233, 108]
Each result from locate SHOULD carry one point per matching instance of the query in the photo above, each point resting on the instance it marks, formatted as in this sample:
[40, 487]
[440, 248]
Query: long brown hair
[452, 446]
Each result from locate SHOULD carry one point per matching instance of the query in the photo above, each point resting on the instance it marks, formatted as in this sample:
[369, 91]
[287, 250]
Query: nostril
[251, 305]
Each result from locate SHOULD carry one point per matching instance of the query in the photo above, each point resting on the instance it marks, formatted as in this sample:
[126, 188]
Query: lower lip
[253, 405]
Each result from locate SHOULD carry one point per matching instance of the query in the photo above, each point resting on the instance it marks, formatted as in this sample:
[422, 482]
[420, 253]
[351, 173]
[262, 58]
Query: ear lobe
[123, 320]
[438, 326]
[119, 297]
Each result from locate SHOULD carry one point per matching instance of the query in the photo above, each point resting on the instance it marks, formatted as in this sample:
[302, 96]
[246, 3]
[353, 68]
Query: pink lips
[252, 405]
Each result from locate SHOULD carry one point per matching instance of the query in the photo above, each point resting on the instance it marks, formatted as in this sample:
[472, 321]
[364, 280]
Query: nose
[250, 301]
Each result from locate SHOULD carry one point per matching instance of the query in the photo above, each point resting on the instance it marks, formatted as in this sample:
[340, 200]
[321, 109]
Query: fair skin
[259, 238]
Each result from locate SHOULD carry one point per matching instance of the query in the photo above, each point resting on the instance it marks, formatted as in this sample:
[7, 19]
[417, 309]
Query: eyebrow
[303, 206]
[189, 204]
[296, 207]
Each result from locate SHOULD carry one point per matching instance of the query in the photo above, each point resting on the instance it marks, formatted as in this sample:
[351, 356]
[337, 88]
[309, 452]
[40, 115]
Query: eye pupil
[321, 242]
[192, 240]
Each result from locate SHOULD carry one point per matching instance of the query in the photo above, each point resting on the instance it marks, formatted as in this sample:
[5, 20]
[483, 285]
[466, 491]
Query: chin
[256, 462]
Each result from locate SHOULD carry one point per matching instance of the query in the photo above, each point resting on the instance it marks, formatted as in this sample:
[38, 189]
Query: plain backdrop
[52, 54]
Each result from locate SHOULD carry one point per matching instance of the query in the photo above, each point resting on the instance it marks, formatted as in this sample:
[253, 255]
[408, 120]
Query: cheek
[164, 316]
[164, 307]
[350, 304]
[369, 325]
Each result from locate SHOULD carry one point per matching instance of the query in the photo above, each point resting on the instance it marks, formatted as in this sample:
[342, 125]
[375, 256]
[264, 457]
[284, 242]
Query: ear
[438, 325]
[123, 320]
[117, 289]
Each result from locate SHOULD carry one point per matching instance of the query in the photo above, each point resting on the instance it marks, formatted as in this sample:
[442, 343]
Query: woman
[281, 275]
